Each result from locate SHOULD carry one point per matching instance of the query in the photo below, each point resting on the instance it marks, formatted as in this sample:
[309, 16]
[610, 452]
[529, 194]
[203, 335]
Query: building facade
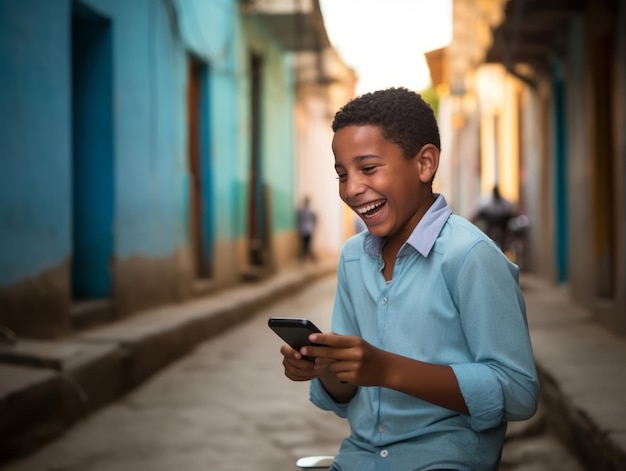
[540, 109]
[149, 153]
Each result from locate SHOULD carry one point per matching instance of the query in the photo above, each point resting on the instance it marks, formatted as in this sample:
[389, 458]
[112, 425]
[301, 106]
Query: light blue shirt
[454, 299]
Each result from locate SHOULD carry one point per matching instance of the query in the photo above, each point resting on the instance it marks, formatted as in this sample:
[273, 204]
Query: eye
[368, 169]
[342, 177]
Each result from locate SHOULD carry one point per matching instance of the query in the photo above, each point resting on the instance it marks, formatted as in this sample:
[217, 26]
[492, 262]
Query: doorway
[560, 187]
[257, 229]
[92, 155]
[604, 192]
[200, 170]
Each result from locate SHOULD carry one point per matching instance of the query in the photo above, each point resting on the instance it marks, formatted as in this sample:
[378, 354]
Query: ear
[428, 162]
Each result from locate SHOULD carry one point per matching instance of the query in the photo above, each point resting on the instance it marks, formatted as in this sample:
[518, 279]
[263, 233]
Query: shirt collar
[423, 236]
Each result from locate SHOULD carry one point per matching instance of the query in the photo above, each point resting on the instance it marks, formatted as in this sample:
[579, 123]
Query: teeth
[365, 209]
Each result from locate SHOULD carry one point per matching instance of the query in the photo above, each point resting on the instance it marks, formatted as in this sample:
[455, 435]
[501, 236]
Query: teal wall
[278, 151]
[280, 145]
[209, 31]
[149, 90]
[150, 42]
[35, 136]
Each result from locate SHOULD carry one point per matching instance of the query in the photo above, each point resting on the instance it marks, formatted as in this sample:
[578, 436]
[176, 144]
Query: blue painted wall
[94, 162]
[280, 144]
[149, 134]
[278, 121]
[149, 94]
[35, 167]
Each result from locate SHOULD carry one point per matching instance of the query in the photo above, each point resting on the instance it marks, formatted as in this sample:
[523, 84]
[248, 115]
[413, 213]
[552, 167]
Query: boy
[429, 354]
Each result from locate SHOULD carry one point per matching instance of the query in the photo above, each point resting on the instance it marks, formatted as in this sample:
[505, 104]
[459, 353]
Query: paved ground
[227, 407]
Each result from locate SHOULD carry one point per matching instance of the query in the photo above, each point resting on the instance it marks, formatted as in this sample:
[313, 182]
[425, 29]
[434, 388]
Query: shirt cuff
[324, 401]
[482, 393]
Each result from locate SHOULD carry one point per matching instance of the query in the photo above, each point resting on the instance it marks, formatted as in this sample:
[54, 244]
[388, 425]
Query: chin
[377, 231]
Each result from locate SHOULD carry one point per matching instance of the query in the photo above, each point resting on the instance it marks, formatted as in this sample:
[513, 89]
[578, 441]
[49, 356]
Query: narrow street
[228, 407]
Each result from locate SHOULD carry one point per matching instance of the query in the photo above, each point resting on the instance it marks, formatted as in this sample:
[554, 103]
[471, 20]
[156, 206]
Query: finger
[331, 339]
[299, 370]
[328, 338]
[328, 354]
[287, 351]
[345, 371]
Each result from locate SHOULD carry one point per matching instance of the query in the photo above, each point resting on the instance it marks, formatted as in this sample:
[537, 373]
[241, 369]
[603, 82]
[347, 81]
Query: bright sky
[385, 40]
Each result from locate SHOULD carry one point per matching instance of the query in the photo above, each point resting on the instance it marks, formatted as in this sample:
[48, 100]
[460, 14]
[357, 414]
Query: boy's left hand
[350, 358]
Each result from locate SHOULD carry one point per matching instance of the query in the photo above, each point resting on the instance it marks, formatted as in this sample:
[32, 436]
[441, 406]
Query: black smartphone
[295, 331]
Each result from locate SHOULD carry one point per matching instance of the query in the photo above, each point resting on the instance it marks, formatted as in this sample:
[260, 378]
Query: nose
[352, 187]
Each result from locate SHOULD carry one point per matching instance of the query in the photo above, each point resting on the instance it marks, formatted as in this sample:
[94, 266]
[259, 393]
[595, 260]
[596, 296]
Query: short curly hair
[402, 115]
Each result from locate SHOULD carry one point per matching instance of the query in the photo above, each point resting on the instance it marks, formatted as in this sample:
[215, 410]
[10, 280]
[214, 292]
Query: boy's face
[388, 191]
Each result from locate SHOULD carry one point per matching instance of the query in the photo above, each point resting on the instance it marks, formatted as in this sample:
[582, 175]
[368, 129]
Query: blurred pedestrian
[429, 354]
[493, 215]
[307, 221]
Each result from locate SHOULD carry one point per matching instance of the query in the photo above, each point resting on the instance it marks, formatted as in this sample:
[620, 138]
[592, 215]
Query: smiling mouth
[370, 210]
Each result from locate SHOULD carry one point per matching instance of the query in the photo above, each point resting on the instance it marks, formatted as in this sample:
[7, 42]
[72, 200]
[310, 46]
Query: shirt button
[384, 301]
[381, 428]
[384, 454]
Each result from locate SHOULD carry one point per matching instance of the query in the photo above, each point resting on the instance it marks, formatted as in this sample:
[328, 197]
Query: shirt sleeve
[324, 401]
[501, 383]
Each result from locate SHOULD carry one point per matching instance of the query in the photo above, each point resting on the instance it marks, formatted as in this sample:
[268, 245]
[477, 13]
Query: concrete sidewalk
[45, 387]
[582, 370]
